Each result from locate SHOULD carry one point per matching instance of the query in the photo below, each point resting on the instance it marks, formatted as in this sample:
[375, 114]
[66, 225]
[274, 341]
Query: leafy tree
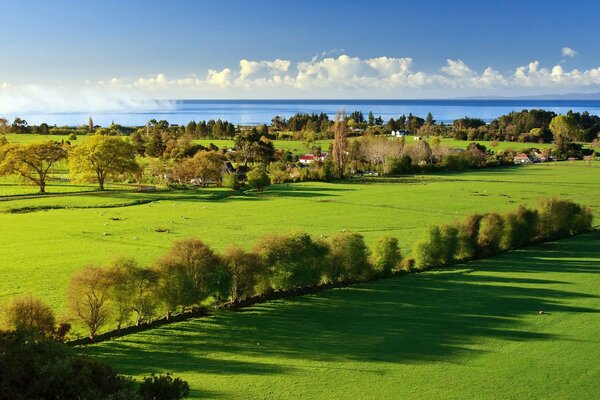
[348, 258]
[231, 181]
[340, 145]
[31, 162]
[207, 166]
[564, 128]
[30, 314]
[258, 178]
[491, 230]
[468, 232]
[192, 271]
[88, 297]
[101, 158]
[246, 269]
[292, 261]
[386, 255]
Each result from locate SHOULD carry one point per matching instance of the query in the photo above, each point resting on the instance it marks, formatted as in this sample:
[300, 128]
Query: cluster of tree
[191, 274]
[36, 364]
[97, 160]
[480, 236]
[314, 123]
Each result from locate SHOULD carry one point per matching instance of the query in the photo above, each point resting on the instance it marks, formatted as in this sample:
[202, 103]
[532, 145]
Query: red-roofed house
[311, 158]
[522, 159]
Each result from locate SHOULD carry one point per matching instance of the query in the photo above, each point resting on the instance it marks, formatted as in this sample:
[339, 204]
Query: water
[249, 112]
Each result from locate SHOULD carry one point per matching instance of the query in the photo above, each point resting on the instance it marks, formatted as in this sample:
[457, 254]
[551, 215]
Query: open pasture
[470, 332]
[44, 239]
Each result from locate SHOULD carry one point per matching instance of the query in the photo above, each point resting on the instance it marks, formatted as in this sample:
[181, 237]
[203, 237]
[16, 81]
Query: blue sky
[165, 49]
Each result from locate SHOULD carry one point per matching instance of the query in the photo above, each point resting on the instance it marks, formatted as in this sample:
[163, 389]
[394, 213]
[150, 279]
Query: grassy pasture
[469, 332]
[44, 239]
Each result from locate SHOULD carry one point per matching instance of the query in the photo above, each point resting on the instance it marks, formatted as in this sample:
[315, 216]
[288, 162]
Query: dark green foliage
[292, 261]
[561, 218]
[163, 387]
[468, 232]
[35, 369]
[348, 258]
[386, 255]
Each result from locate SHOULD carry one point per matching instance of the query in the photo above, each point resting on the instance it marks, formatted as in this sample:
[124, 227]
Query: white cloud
[324, 76]
[568, 52]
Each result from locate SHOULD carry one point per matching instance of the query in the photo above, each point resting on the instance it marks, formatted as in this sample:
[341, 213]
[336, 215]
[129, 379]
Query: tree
[258, 178]
[132, 291]
[246, 269]
[163, 387]
[101, 158]
[207, 166]
[292, 261]
[192, 272]
[88, 297]
[30, 314]
[32, 161]
[90, 124]
[564, 128]
[429, 119]
[340, 145]
[386, 256]
[371, 119]
[491, 230]
[348, 258]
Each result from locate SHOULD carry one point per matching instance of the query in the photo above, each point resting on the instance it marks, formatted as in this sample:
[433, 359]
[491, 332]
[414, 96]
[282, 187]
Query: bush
[164, 387]
[348, 258]
[386, 255]
[258, 178]
[231, 181]
[30, 314]
[73, 136]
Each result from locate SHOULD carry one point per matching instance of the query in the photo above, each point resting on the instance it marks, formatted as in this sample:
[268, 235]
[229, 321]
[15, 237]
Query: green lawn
[43, 248]
[469, 332]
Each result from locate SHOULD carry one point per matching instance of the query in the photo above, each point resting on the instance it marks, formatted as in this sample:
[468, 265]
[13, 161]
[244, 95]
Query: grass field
[43, 248]
[470, 332]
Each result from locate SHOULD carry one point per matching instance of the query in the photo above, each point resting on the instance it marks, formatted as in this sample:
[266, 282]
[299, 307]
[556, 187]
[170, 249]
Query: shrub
[163, 387]
[73, 136]
[30, 314]
[348, 258]
[386, 255]
[231, 181]
[258, 178]
[520, 228]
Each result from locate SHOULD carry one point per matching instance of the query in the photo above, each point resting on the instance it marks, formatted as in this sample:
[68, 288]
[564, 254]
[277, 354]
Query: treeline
[480, 236]
[191, 274]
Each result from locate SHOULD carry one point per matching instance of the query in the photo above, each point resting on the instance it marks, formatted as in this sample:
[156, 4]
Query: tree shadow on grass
[427, 317]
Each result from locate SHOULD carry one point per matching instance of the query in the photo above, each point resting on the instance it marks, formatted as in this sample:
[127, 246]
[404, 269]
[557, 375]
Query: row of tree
[480, 236]
[192, 274]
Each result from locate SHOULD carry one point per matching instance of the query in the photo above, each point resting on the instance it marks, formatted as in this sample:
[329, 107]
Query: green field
[469, 332]
[43, 248]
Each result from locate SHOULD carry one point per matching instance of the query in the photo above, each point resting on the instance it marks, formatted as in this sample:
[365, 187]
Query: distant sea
[250, 112]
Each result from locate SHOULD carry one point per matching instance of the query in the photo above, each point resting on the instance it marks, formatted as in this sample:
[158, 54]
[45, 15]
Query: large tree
[32, 161]
[207, 166]
[88, 297]
[102, 157]
[340, 145]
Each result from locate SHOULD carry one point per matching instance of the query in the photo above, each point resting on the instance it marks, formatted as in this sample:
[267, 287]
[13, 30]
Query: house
[417, 137]
[522, 158]
[311, 158]
[400, 133]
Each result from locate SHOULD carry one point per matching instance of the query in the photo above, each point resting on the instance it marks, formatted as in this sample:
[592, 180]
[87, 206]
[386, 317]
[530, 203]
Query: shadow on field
[408, 319]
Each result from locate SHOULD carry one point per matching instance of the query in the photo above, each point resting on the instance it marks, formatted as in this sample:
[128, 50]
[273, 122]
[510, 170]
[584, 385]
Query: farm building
[311, 158]
[522, 158]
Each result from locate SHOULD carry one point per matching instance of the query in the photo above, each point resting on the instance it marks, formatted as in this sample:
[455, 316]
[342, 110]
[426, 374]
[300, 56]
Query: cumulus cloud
[323, 76]
[568, 52]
